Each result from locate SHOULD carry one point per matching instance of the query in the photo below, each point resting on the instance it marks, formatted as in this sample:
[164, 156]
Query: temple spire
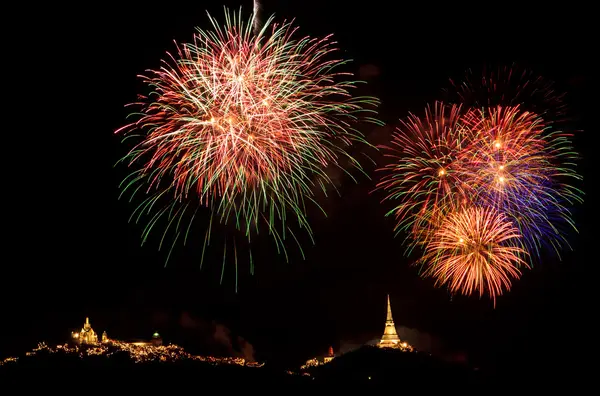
[389, 311]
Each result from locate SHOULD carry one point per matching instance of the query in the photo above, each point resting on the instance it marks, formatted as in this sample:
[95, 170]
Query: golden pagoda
[86, 335]
[390, 337]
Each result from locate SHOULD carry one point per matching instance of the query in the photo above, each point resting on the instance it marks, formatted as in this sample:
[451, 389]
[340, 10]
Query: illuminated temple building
[87, 335]
[318, 361]
[390, 337]
[330, 355]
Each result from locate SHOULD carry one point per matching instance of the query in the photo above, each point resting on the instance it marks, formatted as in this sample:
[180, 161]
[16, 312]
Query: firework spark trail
[256, 11]
[245, 124]
[475, 251]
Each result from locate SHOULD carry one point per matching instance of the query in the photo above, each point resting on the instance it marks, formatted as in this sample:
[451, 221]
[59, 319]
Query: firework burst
[244, 123]
[519, 165]
[425, 176]
[509, 86]
[475, 250]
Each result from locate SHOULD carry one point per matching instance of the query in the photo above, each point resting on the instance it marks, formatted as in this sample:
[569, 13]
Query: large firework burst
[475, 250]
[244, 123]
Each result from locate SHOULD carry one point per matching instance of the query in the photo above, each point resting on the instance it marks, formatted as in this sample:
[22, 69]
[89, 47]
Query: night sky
[70, 251]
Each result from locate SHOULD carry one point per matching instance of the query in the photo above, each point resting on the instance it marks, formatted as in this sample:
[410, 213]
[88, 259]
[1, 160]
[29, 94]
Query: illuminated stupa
[390, 337]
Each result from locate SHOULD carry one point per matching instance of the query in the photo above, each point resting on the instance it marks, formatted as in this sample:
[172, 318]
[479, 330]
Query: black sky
[70, 251]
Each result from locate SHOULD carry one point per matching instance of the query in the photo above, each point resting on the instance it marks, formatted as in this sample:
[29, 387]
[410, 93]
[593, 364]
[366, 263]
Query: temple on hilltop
[390, 337]
[87, 335]
[330, 355]
[318, 361]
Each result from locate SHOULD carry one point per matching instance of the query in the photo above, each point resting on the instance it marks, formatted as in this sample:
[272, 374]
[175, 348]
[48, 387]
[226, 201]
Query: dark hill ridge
[108, 373]
[382, 366]
[367, 365]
